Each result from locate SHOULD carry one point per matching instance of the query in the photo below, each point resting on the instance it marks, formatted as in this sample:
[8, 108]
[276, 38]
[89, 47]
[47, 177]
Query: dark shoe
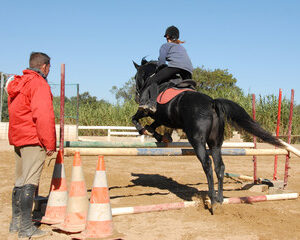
[27, 228]
[16, 211]
[33, 232]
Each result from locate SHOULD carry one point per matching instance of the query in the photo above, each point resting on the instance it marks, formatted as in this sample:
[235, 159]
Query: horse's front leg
[147, 130]
[151, 130]
[135, 120]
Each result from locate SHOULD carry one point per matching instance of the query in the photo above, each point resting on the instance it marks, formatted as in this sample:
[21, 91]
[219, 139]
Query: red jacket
[31, 115]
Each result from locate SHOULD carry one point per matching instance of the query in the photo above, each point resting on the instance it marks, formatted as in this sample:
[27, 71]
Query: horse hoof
[167, 138]
[215, 208]
[147, 133]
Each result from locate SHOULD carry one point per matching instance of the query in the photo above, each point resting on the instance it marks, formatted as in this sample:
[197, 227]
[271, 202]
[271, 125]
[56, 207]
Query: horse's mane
[154, 62]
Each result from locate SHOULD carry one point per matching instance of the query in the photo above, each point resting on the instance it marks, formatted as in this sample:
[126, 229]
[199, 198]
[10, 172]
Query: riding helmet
[172, 32]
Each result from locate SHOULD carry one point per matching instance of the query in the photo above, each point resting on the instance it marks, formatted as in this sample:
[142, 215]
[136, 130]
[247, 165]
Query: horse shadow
[184, 191]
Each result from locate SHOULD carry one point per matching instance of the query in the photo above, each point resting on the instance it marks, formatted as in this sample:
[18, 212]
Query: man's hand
[50, 153]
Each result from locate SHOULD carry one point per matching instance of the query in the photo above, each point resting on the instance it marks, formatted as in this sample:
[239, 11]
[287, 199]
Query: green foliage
[266, 114]
[125, 93]
[216, 82]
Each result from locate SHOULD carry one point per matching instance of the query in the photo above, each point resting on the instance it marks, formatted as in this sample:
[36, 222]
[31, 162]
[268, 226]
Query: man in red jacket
[32, 132]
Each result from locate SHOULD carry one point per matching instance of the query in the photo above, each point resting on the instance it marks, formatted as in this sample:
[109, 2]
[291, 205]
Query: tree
[215, 83]
[86, 98]
[125, 93]
[297, 110]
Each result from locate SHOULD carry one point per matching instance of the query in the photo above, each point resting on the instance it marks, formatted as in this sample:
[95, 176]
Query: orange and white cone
[77, 207]
[58, 197]
[99, 220]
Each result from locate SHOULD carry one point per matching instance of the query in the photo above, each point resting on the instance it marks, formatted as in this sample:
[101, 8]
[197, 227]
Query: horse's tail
[236, 114]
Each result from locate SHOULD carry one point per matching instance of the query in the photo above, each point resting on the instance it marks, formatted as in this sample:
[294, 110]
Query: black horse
[202, 119]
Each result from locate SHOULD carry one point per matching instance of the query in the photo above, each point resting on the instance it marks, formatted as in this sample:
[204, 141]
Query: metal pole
[254, 141]
[287, 159]
[1, 94]
[277, 132]
[77, 117]
[62, 108]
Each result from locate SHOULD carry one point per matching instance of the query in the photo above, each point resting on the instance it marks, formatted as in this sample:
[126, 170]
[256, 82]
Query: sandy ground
[137, 181]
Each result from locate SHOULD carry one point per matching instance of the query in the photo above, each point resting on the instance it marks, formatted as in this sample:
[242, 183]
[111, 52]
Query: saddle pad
[169, 94]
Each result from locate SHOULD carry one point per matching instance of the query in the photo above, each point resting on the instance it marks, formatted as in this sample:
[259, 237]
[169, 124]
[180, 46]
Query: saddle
[169, 90]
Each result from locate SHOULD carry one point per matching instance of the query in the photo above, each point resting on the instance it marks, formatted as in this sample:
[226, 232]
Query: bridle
[138, 87]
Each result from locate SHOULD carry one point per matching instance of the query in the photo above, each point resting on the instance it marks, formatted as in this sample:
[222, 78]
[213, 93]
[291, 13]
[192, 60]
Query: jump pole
[290, 148]
[62, 108]
[262, 198]
[179, 205]
[152, 208]
[254, 142]
[277, 132]
[242, 177]
[105, 144]
[168, 152]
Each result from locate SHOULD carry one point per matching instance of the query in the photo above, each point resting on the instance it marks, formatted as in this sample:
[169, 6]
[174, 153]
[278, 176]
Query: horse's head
[145, 70]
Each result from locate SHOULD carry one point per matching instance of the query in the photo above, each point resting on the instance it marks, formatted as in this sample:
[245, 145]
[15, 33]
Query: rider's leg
[185, 74]
[153, 95]
[162, 76]
[144, 96]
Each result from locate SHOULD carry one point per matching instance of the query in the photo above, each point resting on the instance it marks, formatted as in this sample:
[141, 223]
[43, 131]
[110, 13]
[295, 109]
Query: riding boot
[27, 228]
[144, 98]
[16, 211]
[153, 96]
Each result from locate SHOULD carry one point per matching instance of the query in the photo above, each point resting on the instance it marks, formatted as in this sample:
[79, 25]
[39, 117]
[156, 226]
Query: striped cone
[99, 220]
[57, 201]
[77, 207]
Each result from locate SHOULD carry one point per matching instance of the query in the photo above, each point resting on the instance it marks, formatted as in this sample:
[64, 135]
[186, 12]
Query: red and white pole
[287, 160]
[62, 108]
[277, 132]
[179, 205]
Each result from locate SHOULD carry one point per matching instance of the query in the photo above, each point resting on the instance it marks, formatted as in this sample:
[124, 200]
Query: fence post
[1, 94]
[254, 141]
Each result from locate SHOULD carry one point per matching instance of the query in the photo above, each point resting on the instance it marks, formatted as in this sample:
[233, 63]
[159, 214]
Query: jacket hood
[15, 86]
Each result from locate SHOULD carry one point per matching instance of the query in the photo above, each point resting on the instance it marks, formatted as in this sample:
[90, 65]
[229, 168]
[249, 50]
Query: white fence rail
[71, 131]
[131, 131]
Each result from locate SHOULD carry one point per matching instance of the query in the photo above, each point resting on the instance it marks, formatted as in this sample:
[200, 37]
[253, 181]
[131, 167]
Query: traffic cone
[99, 220]
[77, 206]
[58, 196]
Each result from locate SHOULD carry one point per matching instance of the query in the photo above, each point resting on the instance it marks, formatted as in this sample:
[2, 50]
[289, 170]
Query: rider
[178, 63]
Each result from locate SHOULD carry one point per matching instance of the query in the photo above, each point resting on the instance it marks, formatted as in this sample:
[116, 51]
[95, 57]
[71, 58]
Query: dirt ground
[140, 180]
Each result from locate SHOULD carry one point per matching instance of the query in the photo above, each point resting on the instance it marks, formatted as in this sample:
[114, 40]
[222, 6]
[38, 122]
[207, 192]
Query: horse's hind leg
[219, 170]
[215, 141]
[198, 144]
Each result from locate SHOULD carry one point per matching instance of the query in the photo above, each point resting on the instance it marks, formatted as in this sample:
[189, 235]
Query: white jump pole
[179, 205]
[290, 148]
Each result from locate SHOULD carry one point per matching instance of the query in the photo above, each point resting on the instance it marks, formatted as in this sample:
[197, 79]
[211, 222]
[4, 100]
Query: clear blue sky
[257, 41]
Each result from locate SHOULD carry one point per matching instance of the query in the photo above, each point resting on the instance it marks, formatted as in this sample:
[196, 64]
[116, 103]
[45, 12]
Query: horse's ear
[136, 65]
[144, 61]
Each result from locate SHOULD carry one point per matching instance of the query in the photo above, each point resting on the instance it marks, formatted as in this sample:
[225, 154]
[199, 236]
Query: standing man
[32, 133]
